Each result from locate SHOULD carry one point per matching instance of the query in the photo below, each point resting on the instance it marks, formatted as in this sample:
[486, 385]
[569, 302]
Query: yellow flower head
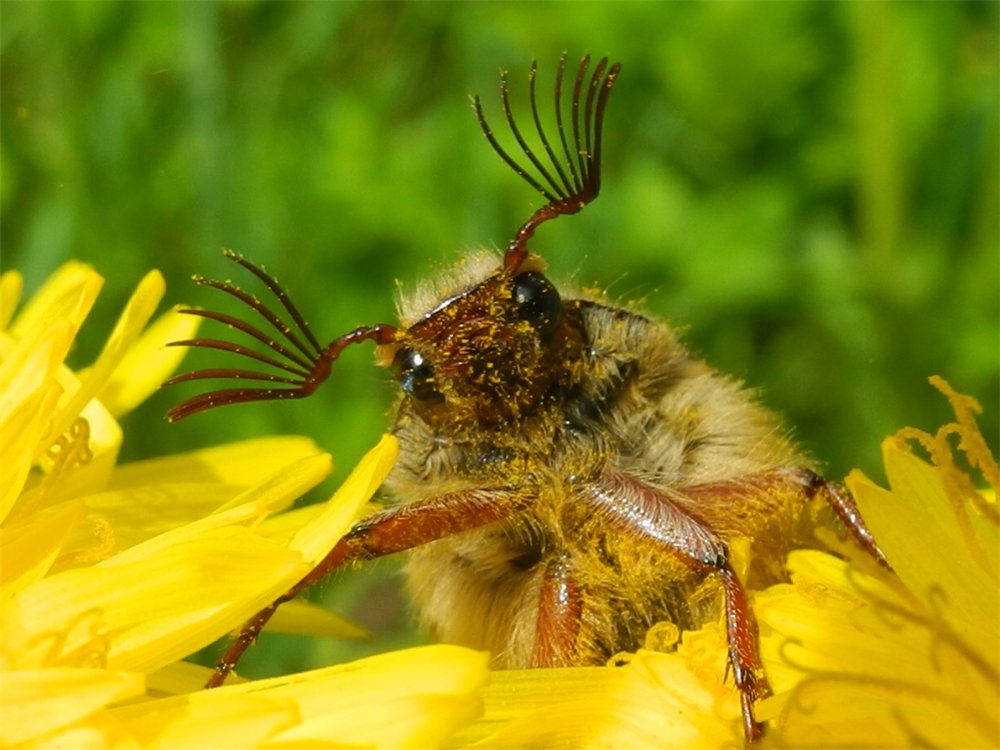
[865, 658]
[111, 574]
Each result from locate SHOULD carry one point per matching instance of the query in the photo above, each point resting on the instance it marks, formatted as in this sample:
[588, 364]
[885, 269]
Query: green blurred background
[809, 190]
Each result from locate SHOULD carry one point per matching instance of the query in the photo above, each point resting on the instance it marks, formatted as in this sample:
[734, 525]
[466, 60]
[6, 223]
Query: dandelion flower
[110, 574]
[866, 658]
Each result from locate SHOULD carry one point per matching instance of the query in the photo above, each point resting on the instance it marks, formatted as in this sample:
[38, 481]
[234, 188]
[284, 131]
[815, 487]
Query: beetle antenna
[302, 363]
[574, 179]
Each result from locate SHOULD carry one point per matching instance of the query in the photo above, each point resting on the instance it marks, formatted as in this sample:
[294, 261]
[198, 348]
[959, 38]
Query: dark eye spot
[416, 376]
[538, 301]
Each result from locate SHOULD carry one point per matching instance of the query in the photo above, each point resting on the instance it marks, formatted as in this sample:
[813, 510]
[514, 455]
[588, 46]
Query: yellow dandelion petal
[405, 699]
[300, 617]
[283, 526]
[27, 365]
[241, 464]
[66, 296]
[95, 732]
[151, 609]
[133, 319]
[291, 482]
[177, 678]
[175, 506]
[228, 591]
[147, 363]
[29, 392]
[11, 286]
[152, 497]
[316, 539]
[23, 422]
[36, 702]
[521, 706]
[27, 551]
[249, 722]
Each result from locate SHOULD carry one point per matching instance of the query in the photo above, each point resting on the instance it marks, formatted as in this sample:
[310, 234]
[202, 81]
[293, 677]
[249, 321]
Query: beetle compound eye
[538, 301]
[416, 376]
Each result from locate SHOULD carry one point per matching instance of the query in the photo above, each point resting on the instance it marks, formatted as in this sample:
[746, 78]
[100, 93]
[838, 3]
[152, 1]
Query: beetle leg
[842, 503]
[772, 491]
[683, 524]
[384, 533]
[651, 516]
[560, 613]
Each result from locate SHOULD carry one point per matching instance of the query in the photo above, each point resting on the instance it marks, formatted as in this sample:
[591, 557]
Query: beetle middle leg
[651, 517]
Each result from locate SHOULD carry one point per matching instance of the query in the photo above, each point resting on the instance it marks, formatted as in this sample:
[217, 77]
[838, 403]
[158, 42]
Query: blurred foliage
[809, 189]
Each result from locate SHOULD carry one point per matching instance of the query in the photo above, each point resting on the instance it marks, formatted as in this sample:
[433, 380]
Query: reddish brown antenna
[577, 179]
[301, 365]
